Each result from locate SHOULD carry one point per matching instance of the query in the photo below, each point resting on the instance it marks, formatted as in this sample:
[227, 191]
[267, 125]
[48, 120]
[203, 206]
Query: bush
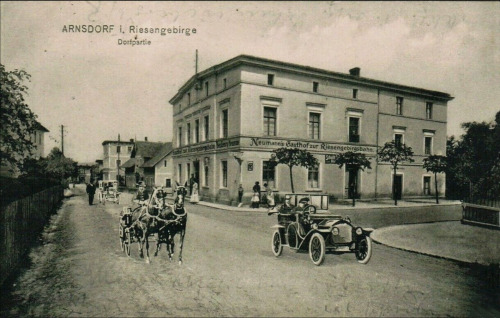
[12, 189]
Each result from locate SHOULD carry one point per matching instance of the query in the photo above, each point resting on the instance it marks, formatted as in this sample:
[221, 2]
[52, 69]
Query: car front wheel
[364, 250]
[317, 249]
[276, 243]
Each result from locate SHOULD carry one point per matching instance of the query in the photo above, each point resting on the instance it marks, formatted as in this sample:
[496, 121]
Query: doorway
[398, 186]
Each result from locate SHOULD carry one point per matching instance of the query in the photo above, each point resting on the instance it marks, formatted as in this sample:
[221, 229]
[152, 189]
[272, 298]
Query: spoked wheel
[364, 250]
[317, 249]
[276, 243]
[122, 238]
[128, 240]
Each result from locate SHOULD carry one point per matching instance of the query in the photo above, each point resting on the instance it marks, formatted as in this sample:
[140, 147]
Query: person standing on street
[91, 191]
[256, 195]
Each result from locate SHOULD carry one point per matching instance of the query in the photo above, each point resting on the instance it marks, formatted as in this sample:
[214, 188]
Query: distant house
[160, 167]
[7, 170]
[142, 152]
[115, 152]
[87, 171]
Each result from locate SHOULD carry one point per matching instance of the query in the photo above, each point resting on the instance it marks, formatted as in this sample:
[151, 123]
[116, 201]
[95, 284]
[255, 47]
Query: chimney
[145, 138]
[355, 71]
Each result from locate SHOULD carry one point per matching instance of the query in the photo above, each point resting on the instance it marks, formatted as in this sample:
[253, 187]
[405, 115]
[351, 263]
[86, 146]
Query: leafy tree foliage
[293, 157]
[473, 161]
[435, 164]
[17, 121]
[354, 161]
[395, 154]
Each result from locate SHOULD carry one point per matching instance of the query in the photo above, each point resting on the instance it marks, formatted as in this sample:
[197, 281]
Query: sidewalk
[439, 232]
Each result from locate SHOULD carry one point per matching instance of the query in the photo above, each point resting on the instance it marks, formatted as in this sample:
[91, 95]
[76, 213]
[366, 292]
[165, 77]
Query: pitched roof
[39, 126]
[129, 163]
[164, 151]
[147, 149]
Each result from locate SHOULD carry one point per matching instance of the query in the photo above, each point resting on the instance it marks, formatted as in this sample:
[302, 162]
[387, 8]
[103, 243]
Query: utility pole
[196, 63]
[62, 139]
[119, 162]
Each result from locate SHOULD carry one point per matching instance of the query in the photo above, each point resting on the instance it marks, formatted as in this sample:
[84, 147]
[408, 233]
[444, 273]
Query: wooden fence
[21, 223]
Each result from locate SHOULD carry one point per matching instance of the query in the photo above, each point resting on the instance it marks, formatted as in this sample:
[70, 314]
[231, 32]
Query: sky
[97, 88]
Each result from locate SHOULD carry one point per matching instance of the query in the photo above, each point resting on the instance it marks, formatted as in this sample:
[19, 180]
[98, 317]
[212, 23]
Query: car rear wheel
[276, 243]
[317, 249]
[364, 250]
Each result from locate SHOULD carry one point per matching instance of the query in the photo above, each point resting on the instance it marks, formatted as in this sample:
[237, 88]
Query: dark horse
[176, 220]
[149, 218]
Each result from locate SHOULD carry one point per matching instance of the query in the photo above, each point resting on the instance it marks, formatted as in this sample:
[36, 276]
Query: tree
[293, 157]
[59, 167]
[17, 121]
[435, 164]
[395, 153]
[353, 161]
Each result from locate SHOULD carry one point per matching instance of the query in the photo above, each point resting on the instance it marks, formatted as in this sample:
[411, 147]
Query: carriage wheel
[317, 249]
[276, 243]
[122, 239]
[127, 242]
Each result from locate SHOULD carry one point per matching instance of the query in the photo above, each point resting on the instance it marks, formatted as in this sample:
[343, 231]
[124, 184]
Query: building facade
[138, 167]
[229, 118]
[115, 154]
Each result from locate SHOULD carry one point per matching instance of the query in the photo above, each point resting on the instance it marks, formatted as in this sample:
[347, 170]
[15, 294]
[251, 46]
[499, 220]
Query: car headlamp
[359, 231]
[315, 226]
[335, 231]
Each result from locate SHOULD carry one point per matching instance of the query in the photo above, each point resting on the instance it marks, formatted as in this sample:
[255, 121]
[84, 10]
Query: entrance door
[196, 172]
[352, 184]
[398, 186]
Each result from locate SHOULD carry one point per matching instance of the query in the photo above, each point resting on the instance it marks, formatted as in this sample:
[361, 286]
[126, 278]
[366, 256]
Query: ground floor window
[206, 176]
[427, 185]
[224, 174]
[168, 183]
[313, 178]
[268, 174]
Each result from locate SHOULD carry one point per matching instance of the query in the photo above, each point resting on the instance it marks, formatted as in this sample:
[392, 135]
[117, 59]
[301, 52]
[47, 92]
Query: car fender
[277, 226]
[367, 230]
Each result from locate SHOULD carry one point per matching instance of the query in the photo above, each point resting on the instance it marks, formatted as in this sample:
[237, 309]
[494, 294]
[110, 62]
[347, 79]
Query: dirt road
[228, 270]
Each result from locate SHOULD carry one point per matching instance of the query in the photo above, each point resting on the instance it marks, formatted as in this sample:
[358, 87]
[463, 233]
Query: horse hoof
[180, 262]
[148, 261]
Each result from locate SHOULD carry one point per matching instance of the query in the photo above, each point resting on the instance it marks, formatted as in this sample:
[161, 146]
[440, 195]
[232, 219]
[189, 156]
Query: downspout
[376, 141]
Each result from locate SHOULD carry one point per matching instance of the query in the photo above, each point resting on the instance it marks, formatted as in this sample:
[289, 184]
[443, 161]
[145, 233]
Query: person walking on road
[91, 191]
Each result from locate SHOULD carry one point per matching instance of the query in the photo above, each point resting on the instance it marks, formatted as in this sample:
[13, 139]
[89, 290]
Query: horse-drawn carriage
[107, 190]
[301, 229]
[154, 216]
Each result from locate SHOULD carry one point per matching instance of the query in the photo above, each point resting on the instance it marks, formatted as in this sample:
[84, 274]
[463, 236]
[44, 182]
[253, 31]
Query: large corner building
[228, 119]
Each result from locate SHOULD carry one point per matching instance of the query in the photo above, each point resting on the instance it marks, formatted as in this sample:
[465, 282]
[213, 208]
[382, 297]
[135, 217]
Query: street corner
[451, 240]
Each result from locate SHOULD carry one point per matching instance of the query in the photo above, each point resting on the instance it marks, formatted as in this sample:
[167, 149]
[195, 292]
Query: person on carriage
[142, 194]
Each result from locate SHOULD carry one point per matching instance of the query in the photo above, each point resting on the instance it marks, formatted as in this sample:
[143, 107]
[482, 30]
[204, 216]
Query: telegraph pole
[62, 139]
[196, 63]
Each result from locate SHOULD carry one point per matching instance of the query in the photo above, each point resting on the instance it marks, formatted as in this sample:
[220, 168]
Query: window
[197, 131]
[353, 129]
[224, 174]
[428, 110]
[313, 178]
[40, 138]
[188, 133]
[428, 145]
[268, 174]
[427, 185]
[205, 124]
[315, 87]
[165, 163]
[270, 79]
[118, 162]
[314, 124]
[398, 140]
[399, 105]
[224, 81]
[206, 88]
[118, 149]
[179, 173]
[355, 93]
[206, 175]
[224, 123]
[168, 183]
[270, 121]
[129, 149]
[189, 99]
[179, 139]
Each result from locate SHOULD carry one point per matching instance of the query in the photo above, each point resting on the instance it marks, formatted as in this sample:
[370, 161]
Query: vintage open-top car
[301, 229]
